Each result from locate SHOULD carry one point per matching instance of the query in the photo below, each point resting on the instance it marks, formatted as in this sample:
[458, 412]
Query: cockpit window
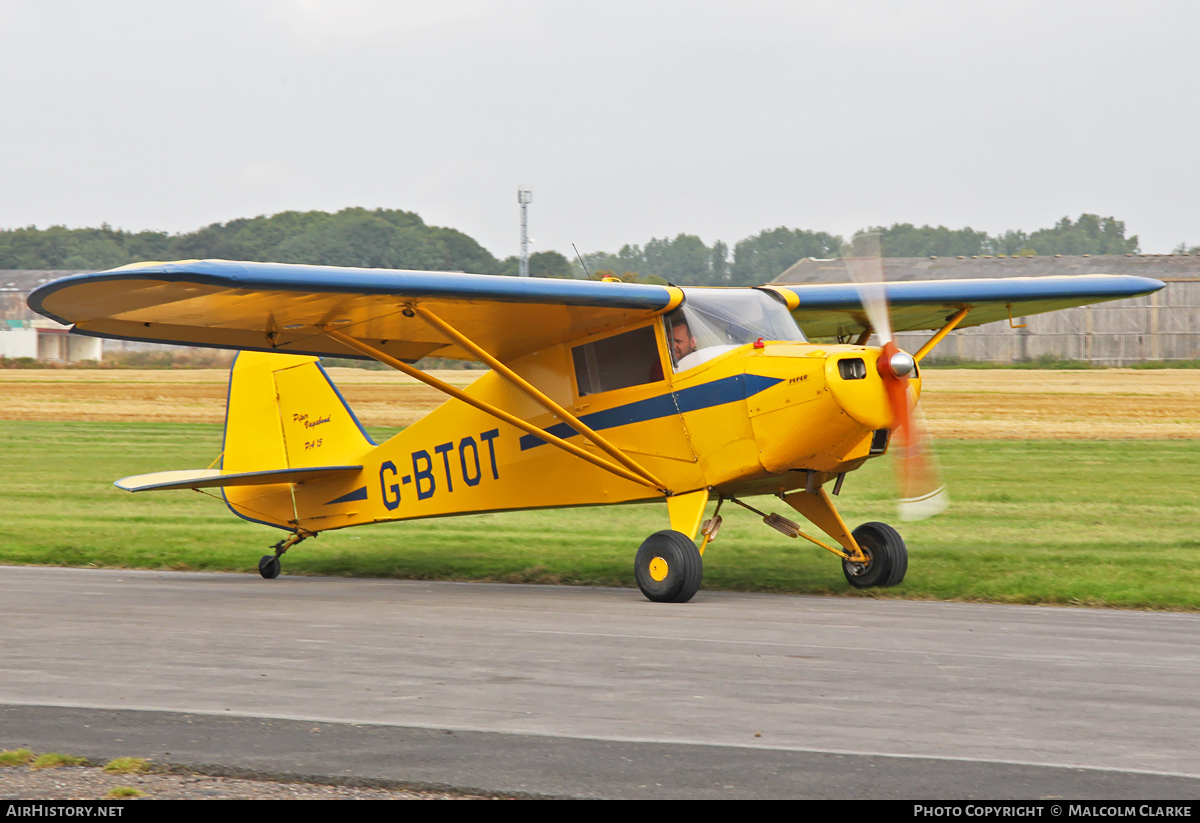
[714, 321]
[617, 362]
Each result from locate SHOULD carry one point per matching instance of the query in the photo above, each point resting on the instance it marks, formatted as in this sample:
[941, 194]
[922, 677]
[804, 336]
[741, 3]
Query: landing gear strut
[269, 565]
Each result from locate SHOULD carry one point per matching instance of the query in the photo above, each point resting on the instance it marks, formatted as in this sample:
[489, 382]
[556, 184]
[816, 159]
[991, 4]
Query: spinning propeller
[918, 477]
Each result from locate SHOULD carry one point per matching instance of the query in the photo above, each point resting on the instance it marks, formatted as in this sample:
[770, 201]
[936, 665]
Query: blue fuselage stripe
[706, 395]
[357, 494]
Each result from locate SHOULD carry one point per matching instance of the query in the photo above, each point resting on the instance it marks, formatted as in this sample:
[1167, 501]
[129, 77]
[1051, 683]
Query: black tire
[269, 566]
[668, 567]
[888, 557]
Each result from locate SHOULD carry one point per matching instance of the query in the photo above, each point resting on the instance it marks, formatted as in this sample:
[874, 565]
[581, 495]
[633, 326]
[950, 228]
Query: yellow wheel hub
[658, 569]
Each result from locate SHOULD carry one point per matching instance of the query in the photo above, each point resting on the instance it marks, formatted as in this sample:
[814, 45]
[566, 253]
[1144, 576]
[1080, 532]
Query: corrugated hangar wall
[1161, 326]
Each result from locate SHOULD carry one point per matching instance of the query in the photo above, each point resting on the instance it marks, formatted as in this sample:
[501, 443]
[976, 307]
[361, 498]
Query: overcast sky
[627, 119]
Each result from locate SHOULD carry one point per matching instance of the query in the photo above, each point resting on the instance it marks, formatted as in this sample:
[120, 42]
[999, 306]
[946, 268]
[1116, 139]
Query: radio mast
[524, 197]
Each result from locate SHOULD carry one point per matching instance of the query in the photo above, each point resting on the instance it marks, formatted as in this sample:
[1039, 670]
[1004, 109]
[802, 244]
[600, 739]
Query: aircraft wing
[828, 309]
[281, 307]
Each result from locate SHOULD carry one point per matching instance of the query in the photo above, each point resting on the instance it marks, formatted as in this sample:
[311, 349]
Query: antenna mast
[524, 197]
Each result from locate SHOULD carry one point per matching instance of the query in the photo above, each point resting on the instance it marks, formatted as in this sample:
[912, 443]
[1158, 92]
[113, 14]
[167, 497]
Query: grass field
[1094, 522]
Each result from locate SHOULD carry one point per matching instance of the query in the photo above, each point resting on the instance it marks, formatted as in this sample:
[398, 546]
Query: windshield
[713, 321]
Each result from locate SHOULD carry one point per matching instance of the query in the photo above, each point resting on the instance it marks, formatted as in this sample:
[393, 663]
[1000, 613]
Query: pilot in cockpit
[682, 342]
[685, 351]
[714, 321]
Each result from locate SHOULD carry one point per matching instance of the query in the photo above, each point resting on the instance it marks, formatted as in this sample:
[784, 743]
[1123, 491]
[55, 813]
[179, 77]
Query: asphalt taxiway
[571, 691]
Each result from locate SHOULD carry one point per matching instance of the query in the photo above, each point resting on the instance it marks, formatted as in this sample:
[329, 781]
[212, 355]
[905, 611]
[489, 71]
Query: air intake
[852, 368]
[879, 441]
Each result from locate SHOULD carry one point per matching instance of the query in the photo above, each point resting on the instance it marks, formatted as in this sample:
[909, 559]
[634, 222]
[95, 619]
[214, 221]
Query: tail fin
[285, 413]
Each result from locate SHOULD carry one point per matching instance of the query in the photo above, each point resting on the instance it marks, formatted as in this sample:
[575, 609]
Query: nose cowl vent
[852, 368]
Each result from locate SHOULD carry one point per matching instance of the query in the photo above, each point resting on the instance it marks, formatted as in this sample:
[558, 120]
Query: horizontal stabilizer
[207, 478]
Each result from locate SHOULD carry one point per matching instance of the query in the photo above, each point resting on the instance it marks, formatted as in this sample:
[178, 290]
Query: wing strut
[532, 392]
[945, 330]
[488, 408]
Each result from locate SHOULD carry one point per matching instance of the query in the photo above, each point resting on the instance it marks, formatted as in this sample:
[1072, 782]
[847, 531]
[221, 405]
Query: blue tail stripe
[706, 395]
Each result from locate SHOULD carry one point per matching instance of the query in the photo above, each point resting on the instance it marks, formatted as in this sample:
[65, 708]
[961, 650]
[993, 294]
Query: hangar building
[24, 333]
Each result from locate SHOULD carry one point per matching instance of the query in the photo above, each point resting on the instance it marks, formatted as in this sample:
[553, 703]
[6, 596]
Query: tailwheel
[269, 566]
[887, 557]
[668, 567]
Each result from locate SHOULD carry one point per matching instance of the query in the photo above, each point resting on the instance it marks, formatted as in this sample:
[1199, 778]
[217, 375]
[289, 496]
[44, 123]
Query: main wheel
[887, 557]
[268, 566]
[668, 567]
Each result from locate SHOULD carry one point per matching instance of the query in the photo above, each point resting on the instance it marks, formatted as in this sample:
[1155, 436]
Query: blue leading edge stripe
[394, 282]
[706, 395]
[816, 296]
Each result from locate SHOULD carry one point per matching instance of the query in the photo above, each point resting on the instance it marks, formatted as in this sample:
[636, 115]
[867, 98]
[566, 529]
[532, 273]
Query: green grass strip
[1098, 523]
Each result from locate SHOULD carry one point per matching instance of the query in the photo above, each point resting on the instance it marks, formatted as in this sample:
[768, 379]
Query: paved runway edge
[543, 766]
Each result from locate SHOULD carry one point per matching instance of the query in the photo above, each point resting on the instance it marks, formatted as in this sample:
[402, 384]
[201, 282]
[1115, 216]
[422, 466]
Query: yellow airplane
[598, 392]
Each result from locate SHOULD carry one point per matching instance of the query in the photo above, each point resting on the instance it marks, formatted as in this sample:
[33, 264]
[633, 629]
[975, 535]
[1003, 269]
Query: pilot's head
[682, 342]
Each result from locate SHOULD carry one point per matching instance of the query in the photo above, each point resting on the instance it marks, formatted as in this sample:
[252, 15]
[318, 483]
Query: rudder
[284, 412]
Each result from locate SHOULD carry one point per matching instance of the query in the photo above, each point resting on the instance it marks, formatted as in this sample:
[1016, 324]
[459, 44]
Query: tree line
[395, 239]
[685, 260]
[380, 238]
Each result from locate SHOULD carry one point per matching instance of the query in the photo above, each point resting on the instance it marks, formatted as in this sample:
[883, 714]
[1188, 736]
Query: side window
[617, 362]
